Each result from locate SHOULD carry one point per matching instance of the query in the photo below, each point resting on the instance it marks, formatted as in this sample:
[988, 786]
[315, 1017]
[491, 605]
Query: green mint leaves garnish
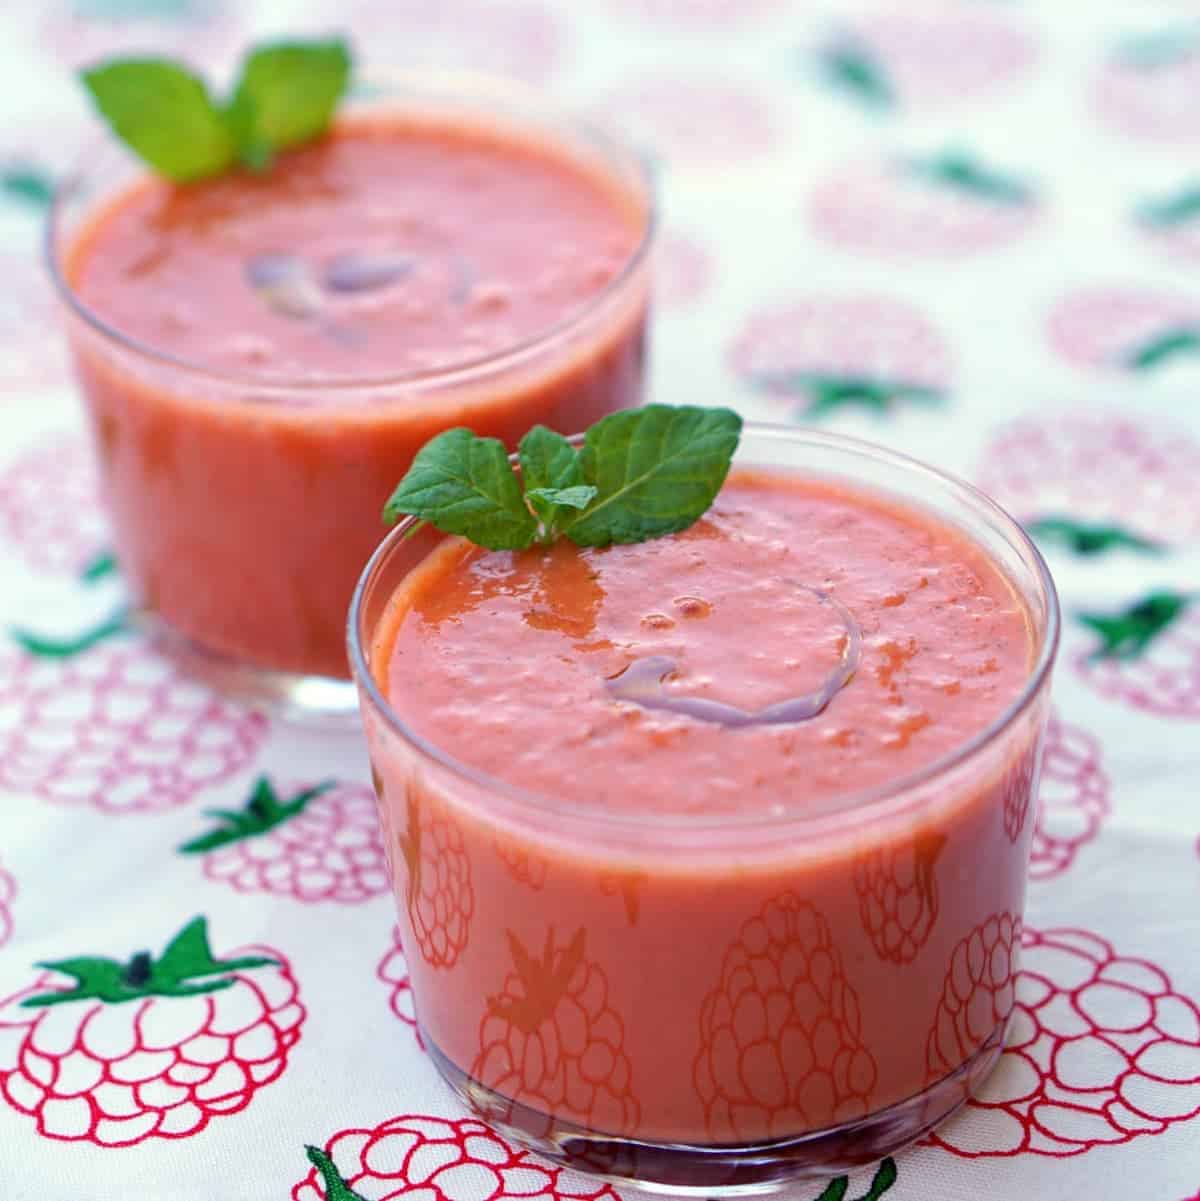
[286, 95]
[640, 474]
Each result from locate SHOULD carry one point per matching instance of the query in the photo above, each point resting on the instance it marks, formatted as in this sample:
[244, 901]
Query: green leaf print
[1169, 344]
[885, 1177]
[65, 648]
[336, 1189]
[850, 66]
[1180, 208]
[186, 968]
[961, 171]
[1127, 634]
[829, 392]
[28, 184]
[264, 811]
[1090, 540]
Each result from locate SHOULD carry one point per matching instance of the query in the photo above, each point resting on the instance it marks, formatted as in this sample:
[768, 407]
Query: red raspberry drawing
[81, 32]
[104, 720]
[685, 272]
[321, 843]
[50, 507]
[521, 39]
[694, 120]
[1017, 791]
[1148, 87]
[1147, 655]
[149, 1048]
[1101, 1049]
[423, 1157]
[1126, 328]
[8, 892]
[30, 327]
[393, 971]
[718, 15]
[781, 1047]
[1172, 222]
[439, 897]
[1095, 480]
[525, 866]
[929, 58]
[977, 994]
[818, 354]
[1073, 799]
[946, 206]
[551, 1041]
[898, 896]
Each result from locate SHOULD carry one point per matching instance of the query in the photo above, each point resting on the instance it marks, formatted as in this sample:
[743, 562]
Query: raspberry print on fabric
[113, 1053]
[78, 33]
[393, 971]
[8, 892]
[1146, 655]
[439, 896]
[104, 720]
[314, 843]
[684, 272]
[521, 39]
[1148, 86]
[945, 206]
[692, 121]
[551, 1041]
[50, 508]
[1093, 482]
[436, 1159]
[716, 15]
[977, 995]
[820, 354]
[781, 1045]
[1131, 329]
[1073, 799]
[34, 355]
[898, 895]
[1017, 793]
[1101, 1050]
[891, 58]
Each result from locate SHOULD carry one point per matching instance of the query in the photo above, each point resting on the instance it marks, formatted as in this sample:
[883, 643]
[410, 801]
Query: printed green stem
[186, 968]
[263, 812]
[1162, 49]
[1127, 634]
[960, 171]
[1090, 540]
[1168, 344]
[336, 1188]
[65, 648]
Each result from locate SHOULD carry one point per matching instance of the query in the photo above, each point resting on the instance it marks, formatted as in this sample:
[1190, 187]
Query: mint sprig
[640, 474]
[286, 95]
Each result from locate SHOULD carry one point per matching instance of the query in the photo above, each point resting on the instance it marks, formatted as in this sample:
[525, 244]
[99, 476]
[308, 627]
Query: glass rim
[840, 804]
[474, 90]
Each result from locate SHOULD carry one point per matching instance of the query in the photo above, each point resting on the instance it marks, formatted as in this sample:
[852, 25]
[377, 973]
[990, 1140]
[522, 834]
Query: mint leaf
[657, 469]
[578, 496]
[165, 114]
[464, 484]
[286, 96]
[548, 460]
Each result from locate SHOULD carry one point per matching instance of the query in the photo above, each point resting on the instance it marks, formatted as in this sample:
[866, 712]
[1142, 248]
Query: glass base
[726, 1169]
[300, 699]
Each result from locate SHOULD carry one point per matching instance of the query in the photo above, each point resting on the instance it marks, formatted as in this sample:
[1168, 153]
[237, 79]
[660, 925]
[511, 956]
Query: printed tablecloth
[968, 230]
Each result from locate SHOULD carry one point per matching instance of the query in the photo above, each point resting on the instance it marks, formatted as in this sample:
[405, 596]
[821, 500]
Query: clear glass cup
[244, 506]
[643, 1034]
